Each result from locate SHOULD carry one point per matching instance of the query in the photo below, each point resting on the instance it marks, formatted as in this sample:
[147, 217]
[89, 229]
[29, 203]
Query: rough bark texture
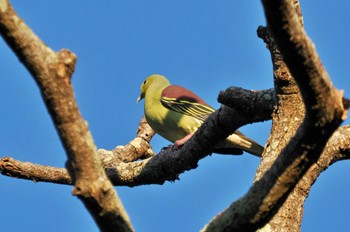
[293, 158]
[286, 120]
[136, 164]
[323, 114]
[52, 72]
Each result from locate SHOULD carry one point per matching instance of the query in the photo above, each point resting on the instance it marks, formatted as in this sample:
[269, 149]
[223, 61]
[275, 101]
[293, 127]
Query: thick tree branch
[52, 72]
[127, 174]
[337, 149]
[136, 164]
[300, 56]
[263, 102]
[123, 166]
[285, 121]
[284, 83]
[324, 113]
[129, 165]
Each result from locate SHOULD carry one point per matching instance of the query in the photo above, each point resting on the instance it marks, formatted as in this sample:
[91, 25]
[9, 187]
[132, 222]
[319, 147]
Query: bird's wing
[184, 101]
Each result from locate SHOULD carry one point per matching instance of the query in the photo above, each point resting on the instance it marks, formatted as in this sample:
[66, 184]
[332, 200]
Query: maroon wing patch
[184, 101]
[180, 93]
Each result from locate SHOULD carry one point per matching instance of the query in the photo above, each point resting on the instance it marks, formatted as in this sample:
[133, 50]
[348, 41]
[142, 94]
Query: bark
[293, 159]
[296, 145]
[136, 164]
[52, 72]
[285, 122]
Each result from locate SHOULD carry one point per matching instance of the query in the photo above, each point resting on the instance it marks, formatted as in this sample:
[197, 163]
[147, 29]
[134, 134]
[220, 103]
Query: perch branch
[123, 166]
[126, 174]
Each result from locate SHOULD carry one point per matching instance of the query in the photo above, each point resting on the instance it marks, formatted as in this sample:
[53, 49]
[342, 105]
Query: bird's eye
[144, 82]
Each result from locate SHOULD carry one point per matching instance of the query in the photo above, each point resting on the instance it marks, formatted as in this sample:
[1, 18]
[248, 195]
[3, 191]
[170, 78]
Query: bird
[175, 113]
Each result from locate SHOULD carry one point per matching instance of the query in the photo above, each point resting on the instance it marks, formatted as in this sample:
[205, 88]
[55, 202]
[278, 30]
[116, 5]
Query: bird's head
[152, 83]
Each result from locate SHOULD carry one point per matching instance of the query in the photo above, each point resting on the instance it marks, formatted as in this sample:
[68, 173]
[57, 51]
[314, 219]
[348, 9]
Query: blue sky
[205, 46]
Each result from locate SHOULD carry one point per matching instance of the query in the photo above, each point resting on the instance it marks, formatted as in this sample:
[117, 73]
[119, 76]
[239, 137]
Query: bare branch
[290, 110]
[300, 55]
[135, 163]
[262, 102]
[128, 174]
[52, 72]
[138, 148]
[123, 166]
[324, 113]
[285, 121]
[337, 149]
[37, 173]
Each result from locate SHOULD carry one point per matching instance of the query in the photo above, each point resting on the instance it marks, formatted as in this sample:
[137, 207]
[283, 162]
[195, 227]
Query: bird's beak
[142, 95]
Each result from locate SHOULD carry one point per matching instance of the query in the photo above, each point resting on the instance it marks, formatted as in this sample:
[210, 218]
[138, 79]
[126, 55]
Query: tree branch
[126, 174]
[285, 121]
[324, 113]
[262, 102]
[128, 165]
[123, 164]
[136, 164]
[35, 172]
[52, 72]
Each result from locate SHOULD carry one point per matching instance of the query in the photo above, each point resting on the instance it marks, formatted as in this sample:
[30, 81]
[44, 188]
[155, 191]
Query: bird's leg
[180, 142]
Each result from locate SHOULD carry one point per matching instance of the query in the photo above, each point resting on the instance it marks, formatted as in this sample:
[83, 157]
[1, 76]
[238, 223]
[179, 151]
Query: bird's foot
[180, 142]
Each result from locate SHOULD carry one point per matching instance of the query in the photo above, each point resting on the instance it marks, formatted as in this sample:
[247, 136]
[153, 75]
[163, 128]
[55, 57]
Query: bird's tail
[235, 143]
